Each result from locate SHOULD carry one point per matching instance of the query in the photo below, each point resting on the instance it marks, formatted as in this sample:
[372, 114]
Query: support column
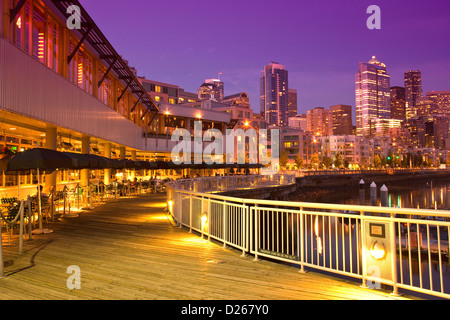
[50, 143]
[133, 157]
[122, 156]
[85, 149]
[107, 172]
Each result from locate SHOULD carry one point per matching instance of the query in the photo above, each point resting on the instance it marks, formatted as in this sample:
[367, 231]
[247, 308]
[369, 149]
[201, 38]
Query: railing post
[363, 251]
[209, 219]
[224, 224]
[256, 234]
[301, 243]
[190, 213]
[394, 255]
[244, 229]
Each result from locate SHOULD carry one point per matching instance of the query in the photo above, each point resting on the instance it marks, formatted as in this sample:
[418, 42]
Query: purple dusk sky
[320, 42]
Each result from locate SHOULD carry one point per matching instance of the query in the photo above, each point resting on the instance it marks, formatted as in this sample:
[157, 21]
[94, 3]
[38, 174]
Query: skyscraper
[398, 103]
[372, 96]
[274, 94]
[413, 91]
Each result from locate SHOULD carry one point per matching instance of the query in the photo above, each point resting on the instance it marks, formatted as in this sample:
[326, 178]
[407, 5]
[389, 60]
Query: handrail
[296, 232]
[360, 208]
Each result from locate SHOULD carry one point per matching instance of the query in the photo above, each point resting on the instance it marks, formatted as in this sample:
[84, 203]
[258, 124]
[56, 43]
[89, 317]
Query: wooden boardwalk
[128, 249]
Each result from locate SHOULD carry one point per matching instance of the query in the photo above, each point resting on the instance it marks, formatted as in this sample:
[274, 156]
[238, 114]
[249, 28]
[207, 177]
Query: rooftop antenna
[218, 76]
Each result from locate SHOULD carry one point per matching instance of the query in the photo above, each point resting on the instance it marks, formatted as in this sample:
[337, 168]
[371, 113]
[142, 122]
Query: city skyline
[321, 44]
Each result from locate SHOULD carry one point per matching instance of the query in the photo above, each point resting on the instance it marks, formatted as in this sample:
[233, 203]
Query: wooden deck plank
[127, 249]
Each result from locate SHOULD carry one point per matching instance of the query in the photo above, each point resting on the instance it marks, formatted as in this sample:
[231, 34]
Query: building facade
[274, 94]
[292, 103]
[372, 95]
[319, 121]
[413, 91]
[341, 118]
[398, 103]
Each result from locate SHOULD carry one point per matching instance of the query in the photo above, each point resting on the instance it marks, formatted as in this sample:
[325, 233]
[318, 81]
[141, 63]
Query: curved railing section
[398, 247]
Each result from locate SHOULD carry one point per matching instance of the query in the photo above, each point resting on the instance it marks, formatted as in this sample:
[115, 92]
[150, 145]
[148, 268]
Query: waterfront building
[298, 143]
[69, 90]
[372, 96]
[430, 131]
[341, 118]
[354, 151]
[299, 122]
[161, 92]
[319, 121]
[274, 94]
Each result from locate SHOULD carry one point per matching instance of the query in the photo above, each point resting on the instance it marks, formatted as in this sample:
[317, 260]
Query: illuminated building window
[38, 46]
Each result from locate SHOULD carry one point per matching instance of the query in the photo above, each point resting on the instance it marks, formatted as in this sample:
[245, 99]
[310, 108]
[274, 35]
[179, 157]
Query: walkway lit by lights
[130, 249]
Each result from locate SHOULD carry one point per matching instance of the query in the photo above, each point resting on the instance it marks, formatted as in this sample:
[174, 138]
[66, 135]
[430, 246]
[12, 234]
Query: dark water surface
[411, 194]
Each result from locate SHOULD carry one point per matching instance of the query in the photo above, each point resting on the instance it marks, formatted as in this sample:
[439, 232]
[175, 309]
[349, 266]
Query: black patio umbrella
[83, 161]
[41, 159]
[102, 162]
[4, 159]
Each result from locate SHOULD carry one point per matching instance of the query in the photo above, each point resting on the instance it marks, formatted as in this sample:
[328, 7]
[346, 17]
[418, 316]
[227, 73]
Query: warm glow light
[80, 73]
[19, 22]
[377, 250]
[204, 218]
[170, 204]
[41, 45]
[319, 240]
[199, 115]
[167, 113]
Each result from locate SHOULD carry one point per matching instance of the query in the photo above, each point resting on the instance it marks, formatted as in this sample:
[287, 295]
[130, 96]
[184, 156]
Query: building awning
[90, 32]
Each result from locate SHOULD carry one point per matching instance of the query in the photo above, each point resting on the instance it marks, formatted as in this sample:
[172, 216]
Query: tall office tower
[319, 122]
[211, 89]
[274, 94]
[292, 103]
[341, 116]
[398, 103]
[372, 96]
[413, 91]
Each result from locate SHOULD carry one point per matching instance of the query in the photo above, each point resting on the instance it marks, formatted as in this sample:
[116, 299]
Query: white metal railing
[330, 237]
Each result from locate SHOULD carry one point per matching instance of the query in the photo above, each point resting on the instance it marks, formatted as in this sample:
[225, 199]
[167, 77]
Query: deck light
[204, 218]
[377, 250]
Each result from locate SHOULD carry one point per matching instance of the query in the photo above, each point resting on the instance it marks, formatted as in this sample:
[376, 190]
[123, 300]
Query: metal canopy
[106, 52]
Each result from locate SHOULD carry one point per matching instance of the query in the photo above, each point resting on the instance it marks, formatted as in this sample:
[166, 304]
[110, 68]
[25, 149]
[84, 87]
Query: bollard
[373, 194]
[362, 193]
[384, 196]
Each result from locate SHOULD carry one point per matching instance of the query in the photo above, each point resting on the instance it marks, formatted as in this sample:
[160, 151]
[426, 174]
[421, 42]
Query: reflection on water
[423, 195]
